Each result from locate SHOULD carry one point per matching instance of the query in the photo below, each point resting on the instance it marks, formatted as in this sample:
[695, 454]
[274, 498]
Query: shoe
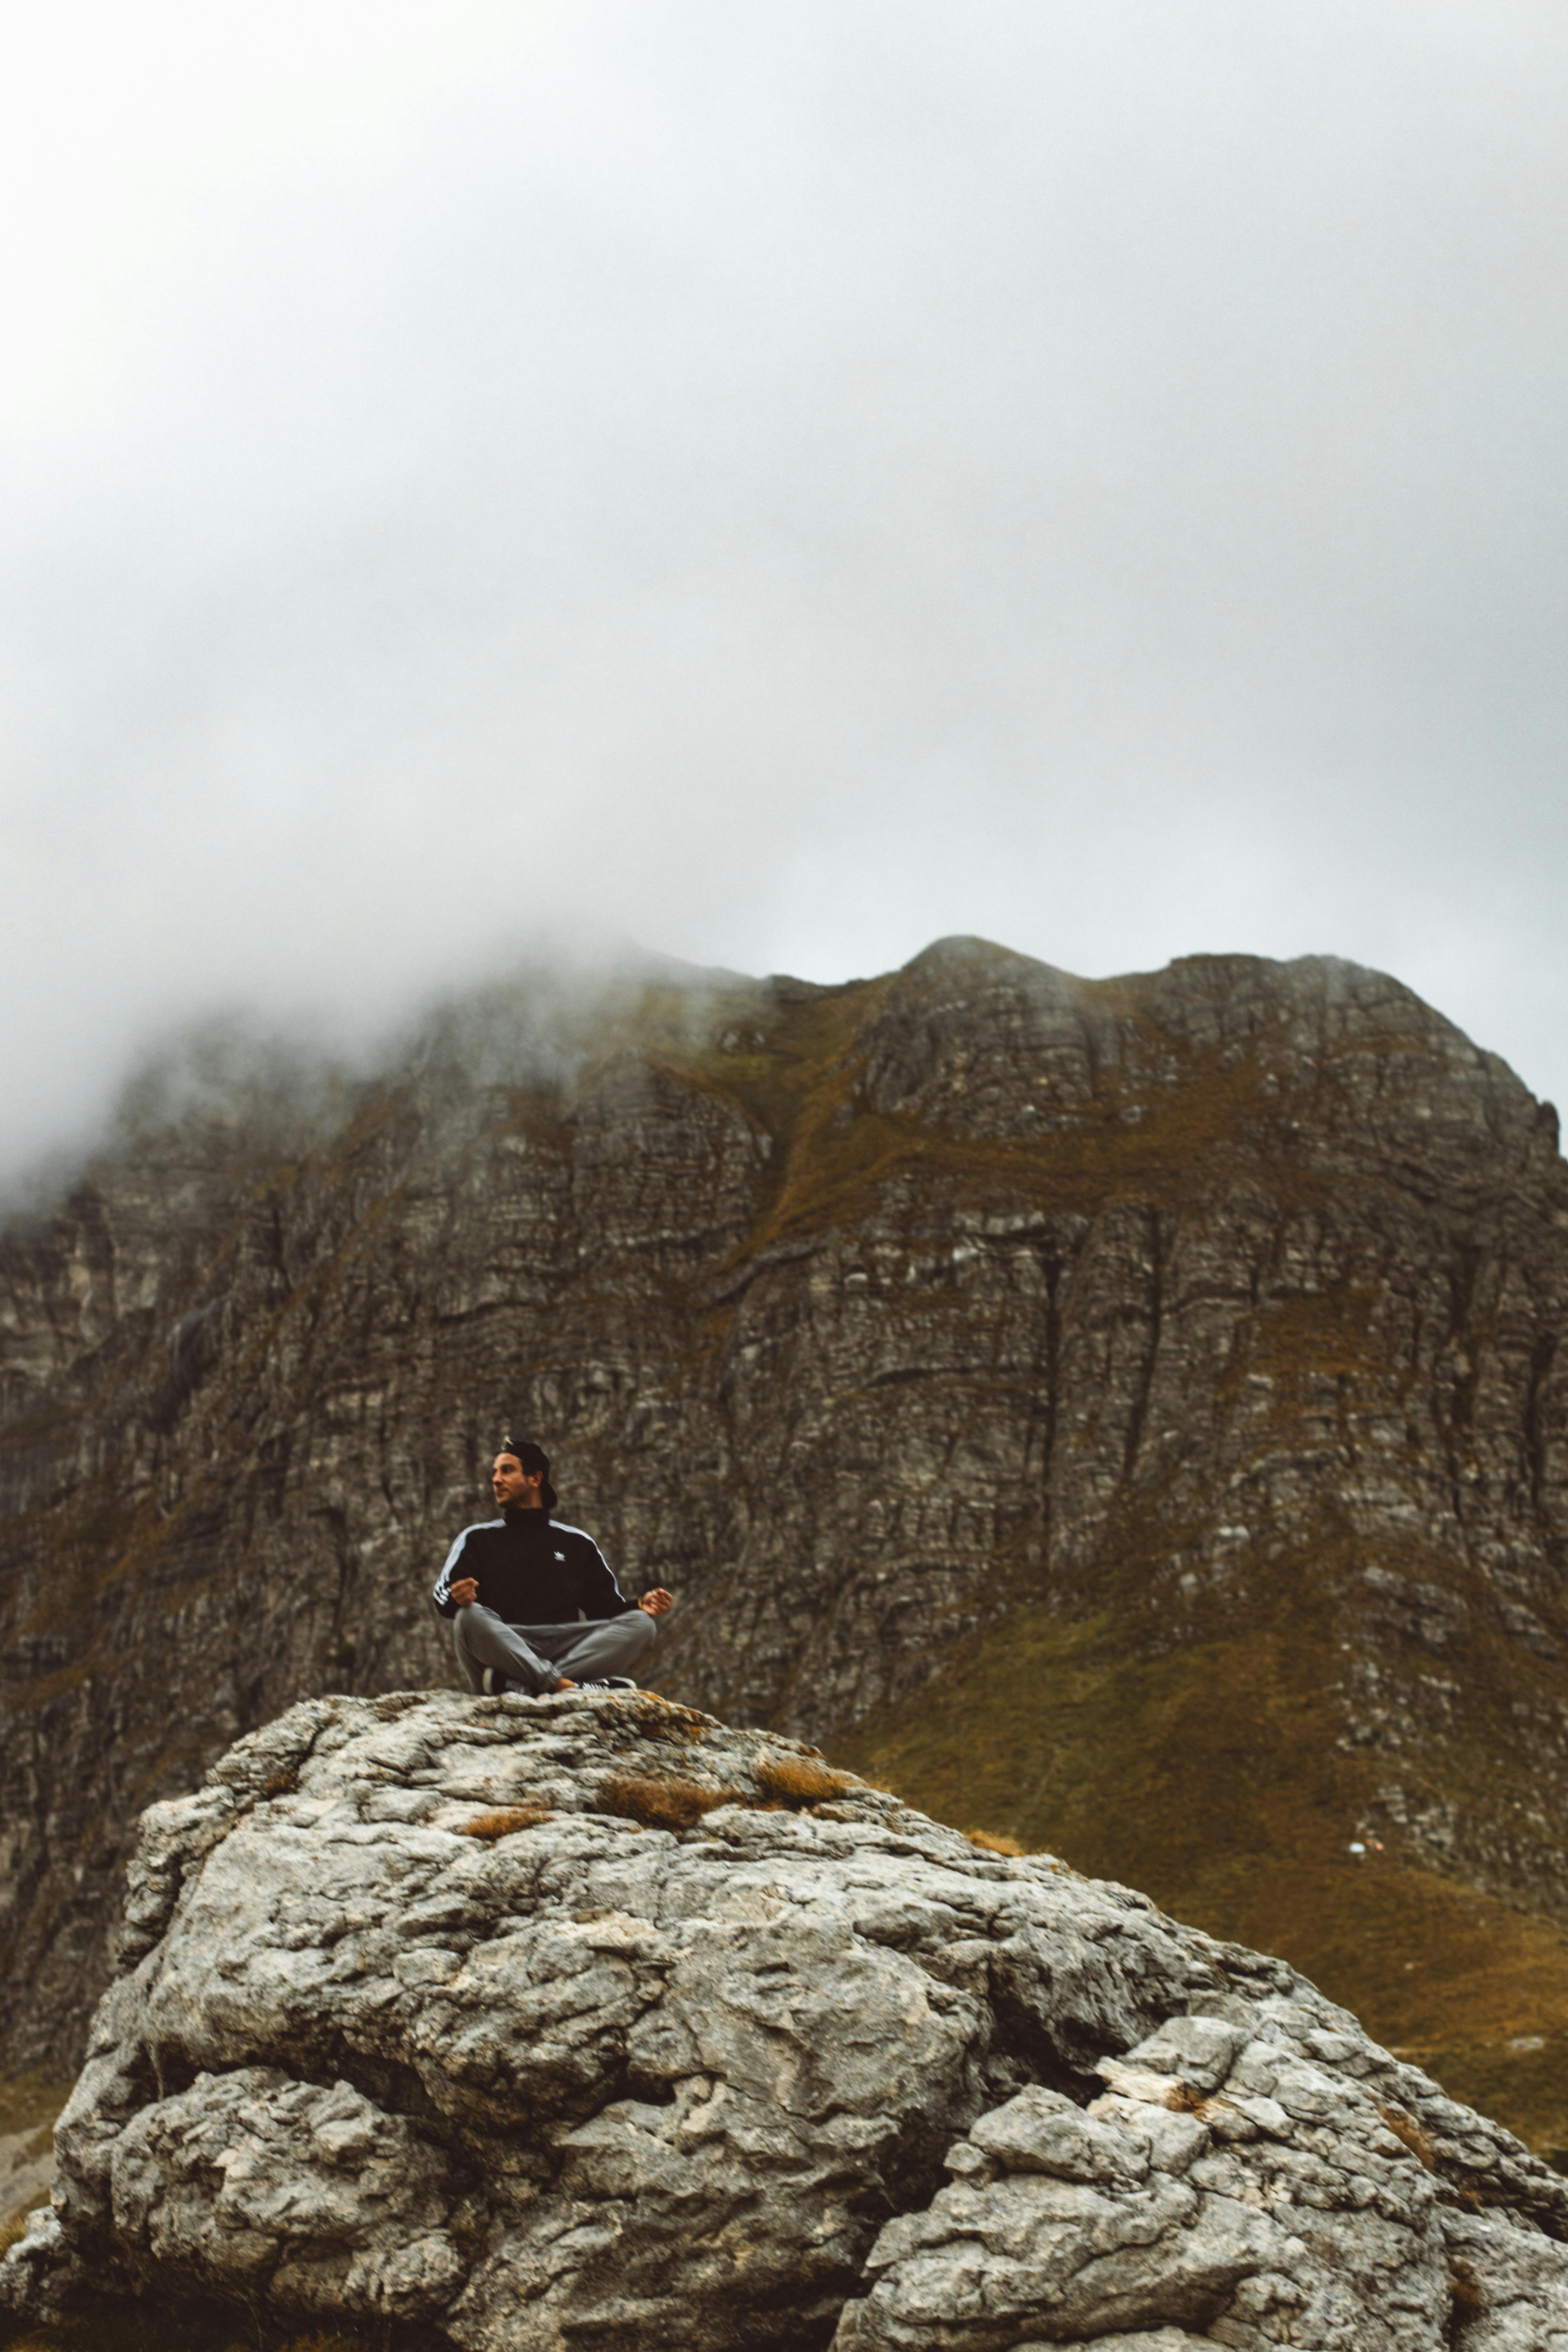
[493, 1682]
[609, 1682]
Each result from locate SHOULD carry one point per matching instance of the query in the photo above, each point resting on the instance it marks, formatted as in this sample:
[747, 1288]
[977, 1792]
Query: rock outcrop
[509, 2024]
[1223, 1303]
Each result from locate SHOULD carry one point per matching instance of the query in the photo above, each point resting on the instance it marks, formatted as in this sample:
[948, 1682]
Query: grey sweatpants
[533, 1657]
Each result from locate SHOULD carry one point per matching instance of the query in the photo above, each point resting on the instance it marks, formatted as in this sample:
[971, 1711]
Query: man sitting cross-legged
[529, 1598]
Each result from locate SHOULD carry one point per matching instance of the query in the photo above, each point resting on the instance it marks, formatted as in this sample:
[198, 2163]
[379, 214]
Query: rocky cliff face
[1222, 1310]
[506, 2024]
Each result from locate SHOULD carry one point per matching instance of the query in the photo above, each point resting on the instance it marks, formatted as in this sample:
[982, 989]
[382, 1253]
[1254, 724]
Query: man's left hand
[655, 1603]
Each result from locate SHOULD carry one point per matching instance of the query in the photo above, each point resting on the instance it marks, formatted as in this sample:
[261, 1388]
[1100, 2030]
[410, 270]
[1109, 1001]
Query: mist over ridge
[533, 1027]
[784, 485]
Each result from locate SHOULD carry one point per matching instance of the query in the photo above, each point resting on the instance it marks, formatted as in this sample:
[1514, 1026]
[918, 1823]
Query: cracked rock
[437, 2029]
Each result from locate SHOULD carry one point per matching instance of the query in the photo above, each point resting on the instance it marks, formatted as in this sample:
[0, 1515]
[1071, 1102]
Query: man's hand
[655, 1603]
[465, 1591]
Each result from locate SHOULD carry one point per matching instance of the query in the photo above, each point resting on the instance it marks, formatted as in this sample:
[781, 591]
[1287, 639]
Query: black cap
[536, 1461]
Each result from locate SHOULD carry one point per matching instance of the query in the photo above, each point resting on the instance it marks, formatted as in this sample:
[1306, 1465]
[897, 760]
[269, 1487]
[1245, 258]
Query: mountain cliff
[1128, 1415]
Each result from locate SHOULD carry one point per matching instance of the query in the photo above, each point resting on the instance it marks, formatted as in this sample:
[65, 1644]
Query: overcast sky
[780, 482]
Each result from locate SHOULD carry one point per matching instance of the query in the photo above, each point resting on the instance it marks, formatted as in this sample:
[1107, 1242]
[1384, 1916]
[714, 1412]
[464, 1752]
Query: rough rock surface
[859, 1318]
[422, 2020]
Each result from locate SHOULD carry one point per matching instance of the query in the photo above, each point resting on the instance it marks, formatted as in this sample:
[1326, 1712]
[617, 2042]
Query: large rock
[513, 2024]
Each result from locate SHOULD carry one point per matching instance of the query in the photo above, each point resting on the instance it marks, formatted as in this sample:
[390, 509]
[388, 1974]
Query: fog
[775, 485]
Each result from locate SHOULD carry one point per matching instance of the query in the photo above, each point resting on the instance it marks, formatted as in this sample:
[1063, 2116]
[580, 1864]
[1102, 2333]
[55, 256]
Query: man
[529, 1597]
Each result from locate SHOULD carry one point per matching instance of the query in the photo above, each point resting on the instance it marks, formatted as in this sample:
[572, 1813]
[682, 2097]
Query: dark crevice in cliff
[1050, 1385]
[1543, 1361]
[342, 1647]
[1152, 1304]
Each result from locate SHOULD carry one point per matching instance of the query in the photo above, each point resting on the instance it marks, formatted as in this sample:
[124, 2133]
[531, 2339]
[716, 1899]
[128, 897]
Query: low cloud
[778, 484]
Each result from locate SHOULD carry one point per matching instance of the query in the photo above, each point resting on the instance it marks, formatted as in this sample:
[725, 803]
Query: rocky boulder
[506, 2024]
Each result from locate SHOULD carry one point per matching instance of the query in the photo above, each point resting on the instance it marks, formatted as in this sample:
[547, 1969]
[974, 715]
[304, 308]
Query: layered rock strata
[509, 2024]
[1229, 1297]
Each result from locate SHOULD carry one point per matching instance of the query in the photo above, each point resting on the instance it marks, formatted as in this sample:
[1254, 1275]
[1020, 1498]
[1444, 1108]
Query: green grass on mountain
[27, 2102]
[1209, 1778]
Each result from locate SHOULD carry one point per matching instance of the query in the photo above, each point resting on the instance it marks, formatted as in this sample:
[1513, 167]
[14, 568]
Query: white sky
[782, 482]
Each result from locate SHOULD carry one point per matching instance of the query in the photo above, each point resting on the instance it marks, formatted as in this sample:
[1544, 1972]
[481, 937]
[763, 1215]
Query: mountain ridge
[1207, 1304]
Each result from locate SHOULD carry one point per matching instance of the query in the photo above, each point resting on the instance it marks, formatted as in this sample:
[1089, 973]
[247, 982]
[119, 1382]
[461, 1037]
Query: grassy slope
[1209, 1778]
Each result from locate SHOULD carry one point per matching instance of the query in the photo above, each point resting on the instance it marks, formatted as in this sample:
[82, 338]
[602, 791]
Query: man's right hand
[465, 1591]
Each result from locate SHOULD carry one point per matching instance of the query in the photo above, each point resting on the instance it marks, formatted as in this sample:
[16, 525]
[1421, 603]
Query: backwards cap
[536, 1461]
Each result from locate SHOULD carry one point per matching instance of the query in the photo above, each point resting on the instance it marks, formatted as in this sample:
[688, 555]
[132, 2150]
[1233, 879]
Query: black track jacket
[531, 1570]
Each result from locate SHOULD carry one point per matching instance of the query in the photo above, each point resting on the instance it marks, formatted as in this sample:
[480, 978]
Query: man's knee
[640, 1629]
[470, 1627]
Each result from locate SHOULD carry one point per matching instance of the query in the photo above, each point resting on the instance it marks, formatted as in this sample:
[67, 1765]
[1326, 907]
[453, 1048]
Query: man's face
[510, 1482]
